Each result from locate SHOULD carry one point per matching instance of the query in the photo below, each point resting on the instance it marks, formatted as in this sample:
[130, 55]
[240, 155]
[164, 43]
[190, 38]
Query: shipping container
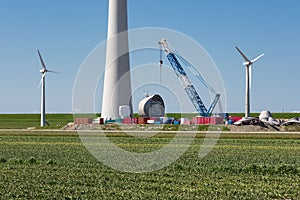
[98, 120]
[150, 121]
[142, 120]
[128, 120]
[208, 120]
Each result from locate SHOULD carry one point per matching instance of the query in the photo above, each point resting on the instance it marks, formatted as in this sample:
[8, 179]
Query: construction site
[117, 107]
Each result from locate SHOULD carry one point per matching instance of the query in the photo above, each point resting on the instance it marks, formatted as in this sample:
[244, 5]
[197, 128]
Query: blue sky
[66, 31]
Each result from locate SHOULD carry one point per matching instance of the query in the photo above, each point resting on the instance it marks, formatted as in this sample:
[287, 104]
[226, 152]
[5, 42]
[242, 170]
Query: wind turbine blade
[246, 59]
[40, 83]
[52, 71]
[41, 59]
[41, 80]
[258, 57]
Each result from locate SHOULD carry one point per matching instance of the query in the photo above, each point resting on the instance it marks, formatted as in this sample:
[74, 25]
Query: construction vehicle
[190, 90]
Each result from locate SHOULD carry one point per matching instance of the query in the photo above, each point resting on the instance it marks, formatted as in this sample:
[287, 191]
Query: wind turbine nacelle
[42, 70]
[246, 63]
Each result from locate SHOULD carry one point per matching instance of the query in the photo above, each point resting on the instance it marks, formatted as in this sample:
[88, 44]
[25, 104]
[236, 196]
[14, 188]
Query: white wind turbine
[248, 63]
[43, 71]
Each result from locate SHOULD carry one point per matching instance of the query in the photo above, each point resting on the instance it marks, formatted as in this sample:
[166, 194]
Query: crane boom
[185, 82]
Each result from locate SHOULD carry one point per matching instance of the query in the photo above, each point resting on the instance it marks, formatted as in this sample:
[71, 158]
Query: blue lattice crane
[174, 58]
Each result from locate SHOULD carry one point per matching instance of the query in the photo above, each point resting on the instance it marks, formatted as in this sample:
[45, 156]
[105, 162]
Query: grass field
[56, 165]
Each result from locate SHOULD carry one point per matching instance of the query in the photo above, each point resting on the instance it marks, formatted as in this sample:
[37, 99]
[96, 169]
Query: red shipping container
[193, 120]
[101, 121]
[142, 120]
[127, 120]
[207, 120]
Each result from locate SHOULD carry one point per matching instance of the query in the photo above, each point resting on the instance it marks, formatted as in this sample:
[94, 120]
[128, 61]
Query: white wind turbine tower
[43, 71]
[248, 63]
[117, 84]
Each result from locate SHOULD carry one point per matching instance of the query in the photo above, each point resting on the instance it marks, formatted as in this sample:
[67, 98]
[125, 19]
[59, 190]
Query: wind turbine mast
[247, 95]
[117, 85]
[43, 103]
[248, 63]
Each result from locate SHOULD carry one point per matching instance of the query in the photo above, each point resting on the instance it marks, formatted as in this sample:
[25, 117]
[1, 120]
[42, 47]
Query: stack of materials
[83, 120]
[295, 120]
[266, 117]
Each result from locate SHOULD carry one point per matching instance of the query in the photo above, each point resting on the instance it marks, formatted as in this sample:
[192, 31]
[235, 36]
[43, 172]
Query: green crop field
[21, 121]
[56, 165]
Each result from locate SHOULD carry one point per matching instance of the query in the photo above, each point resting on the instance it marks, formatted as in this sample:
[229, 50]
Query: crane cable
[196, 73]
[160, 64]
[192, 69]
